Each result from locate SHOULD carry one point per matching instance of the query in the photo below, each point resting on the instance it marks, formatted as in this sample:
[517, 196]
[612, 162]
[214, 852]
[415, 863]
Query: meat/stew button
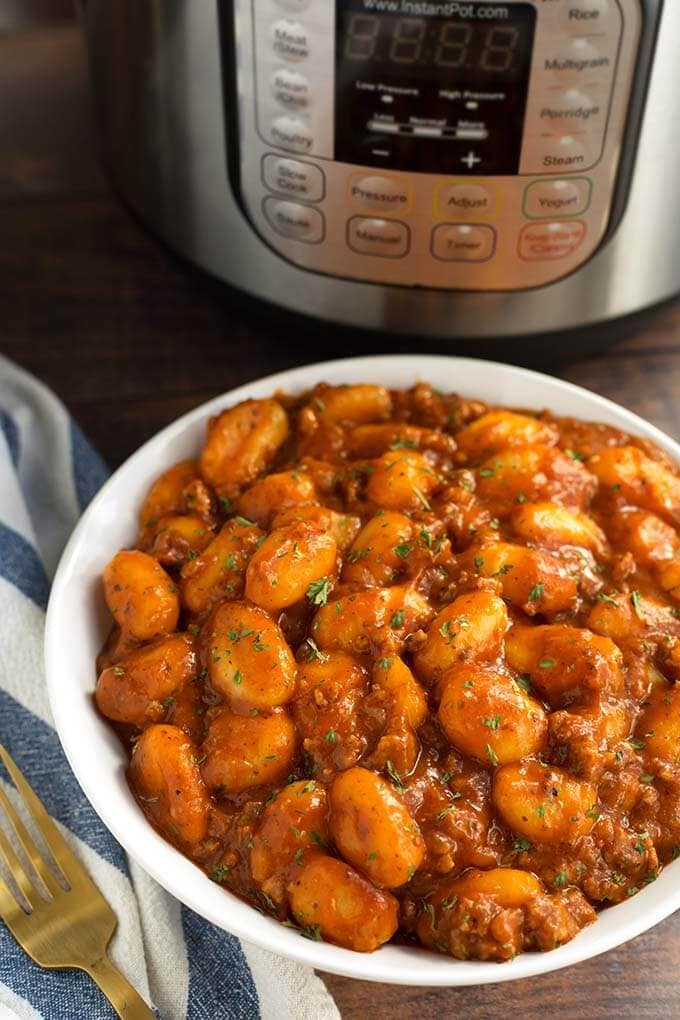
[544, 241]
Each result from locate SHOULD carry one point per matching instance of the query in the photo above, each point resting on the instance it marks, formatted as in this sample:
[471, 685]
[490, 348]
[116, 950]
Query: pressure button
[379, 194]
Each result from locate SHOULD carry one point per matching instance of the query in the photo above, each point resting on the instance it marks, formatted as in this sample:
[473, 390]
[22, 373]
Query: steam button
[558, 154]
[290, 219]
[291, 133]
[289, 40]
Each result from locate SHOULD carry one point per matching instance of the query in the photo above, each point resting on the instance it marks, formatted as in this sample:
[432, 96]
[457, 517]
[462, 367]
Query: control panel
[459, 145]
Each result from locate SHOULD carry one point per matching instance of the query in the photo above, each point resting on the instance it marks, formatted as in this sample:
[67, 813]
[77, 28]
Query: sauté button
[466, 200]
[300, 222]
[385, 238]
[382, 194]
[540, 242]
[289, 40]
[291, 177]
[291, 89]
[291, 133]
[544, 200]
[463, 242]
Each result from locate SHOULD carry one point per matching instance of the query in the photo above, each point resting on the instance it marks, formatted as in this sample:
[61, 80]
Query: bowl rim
[406, 965]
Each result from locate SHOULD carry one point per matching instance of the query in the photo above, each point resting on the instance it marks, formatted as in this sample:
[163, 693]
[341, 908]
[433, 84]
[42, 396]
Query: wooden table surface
[130, 338]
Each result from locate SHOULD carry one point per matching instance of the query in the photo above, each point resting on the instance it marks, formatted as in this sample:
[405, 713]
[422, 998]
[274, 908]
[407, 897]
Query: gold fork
[60, 927]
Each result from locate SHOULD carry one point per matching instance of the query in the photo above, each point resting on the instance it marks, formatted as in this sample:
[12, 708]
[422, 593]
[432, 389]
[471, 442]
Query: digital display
[436, 87]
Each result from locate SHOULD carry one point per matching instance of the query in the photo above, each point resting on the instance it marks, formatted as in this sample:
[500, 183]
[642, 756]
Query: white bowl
[77, 623]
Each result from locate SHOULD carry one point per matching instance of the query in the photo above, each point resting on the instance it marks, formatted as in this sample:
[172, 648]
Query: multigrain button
[299, 222]
[291, 133]
[291, 177]
[544, 200]
[289, 40]
[386, 238]
[579, 58]
[467, 201]
[541, 242]
[463, 242]
[379, 194]
[290, 89]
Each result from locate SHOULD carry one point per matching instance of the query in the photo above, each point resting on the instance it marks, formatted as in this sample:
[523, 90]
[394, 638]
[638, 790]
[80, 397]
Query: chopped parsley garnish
[646, 777]
[602, 597]
[319, 840]
[318, 591]
[540, 810]
[488, 472]
[521, 845]
[244, 522]
[547, 663]
[403, 550]
[314, 652]
[331, 737]
[394, 776]
[493, 722]
[422, 499]
[491, 755]
[218, 873]
[397, 620]
[561, 879]
[536, 593]
[524, 682]
[402, 444]
[384, 663]
[636, 602]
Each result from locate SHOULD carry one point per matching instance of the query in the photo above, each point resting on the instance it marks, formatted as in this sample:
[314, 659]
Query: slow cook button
[465, 200]
[289, 40]
[463, 242]
[541, 242]
[386, 238]
[291, 177]
[544, 200]
[379, 194]
[291, 133]
[299, 222]
[291, 89]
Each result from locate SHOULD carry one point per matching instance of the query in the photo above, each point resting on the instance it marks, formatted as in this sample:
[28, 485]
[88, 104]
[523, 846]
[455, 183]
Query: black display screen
[436, 87]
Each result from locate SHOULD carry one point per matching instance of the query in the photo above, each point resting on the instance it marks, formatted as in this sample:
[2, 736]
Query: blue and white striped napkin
[189, 969]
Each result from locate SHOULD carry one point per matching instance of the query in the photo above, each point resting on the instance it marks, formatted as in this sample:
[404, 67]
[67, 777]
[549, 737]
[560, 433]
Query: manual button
[299, 222]
[386, 238]
[379, 194]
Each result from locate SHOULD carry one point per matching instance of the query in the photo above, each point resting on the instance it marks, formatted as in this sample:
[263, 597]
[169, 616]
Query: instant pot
[469, 169]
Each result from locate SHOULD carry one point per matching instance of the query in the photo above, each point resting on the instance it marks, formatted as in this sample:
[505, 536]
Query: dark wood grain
[130, 338]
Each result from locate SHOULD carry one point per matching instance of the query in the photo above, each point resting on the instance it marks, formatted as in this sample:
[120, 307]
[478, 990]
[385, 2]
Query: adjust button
[291, 177]
[463, 242]
[299, 222]
[291, 89]
[467, 201]
[388, 239]
[291, 133]
[379, 194]
[289, 40]
[544, 200]
[541, 242]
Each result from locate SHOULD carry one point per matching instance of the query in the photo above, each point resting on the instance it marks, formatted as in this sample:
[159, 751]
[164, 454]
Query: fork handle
[128, 1004]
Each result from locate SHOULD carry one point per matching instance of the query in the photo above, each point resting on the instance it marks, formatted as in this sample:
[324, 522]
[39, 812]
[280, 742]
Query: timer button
[388, 239]
[468, 201]
[290, 89]
[290, 219]
[289, 40]
[463, 242]
[291, 133]
[291, 177]
[541, 242]
[379, 194]
[545, 200]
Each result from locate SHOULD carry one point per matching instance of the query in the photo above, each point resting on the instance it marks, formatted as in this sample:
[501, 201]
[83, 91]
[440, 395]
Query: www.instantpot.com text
[444, 9]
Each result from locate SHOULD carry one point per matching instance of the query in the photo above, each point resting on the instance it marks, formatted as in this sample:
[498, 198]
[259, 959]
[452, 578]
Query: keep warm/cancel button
[544, 241]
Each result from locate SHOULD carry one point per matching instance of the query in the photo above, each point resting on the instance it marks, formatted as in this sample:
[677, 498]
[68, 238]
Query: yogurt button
[291, 89]
[291, 133]
[289, 40]
[546, 200]
[299, 222]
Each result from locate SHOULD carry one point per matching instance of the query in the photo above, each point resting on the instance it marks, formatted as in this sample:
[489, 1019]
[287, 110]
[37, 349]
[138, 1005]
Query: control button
[291, 133]
[562, 152]
[293, 5]
[382, 194]
[577, 58]
[544, 200]
[466, 200]
[289, 40]
[388, 239]
[300, 222]
[463, 242]
[291, 177]
[587, 15]
[291, 89]
[545, 241]
[571, 110]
